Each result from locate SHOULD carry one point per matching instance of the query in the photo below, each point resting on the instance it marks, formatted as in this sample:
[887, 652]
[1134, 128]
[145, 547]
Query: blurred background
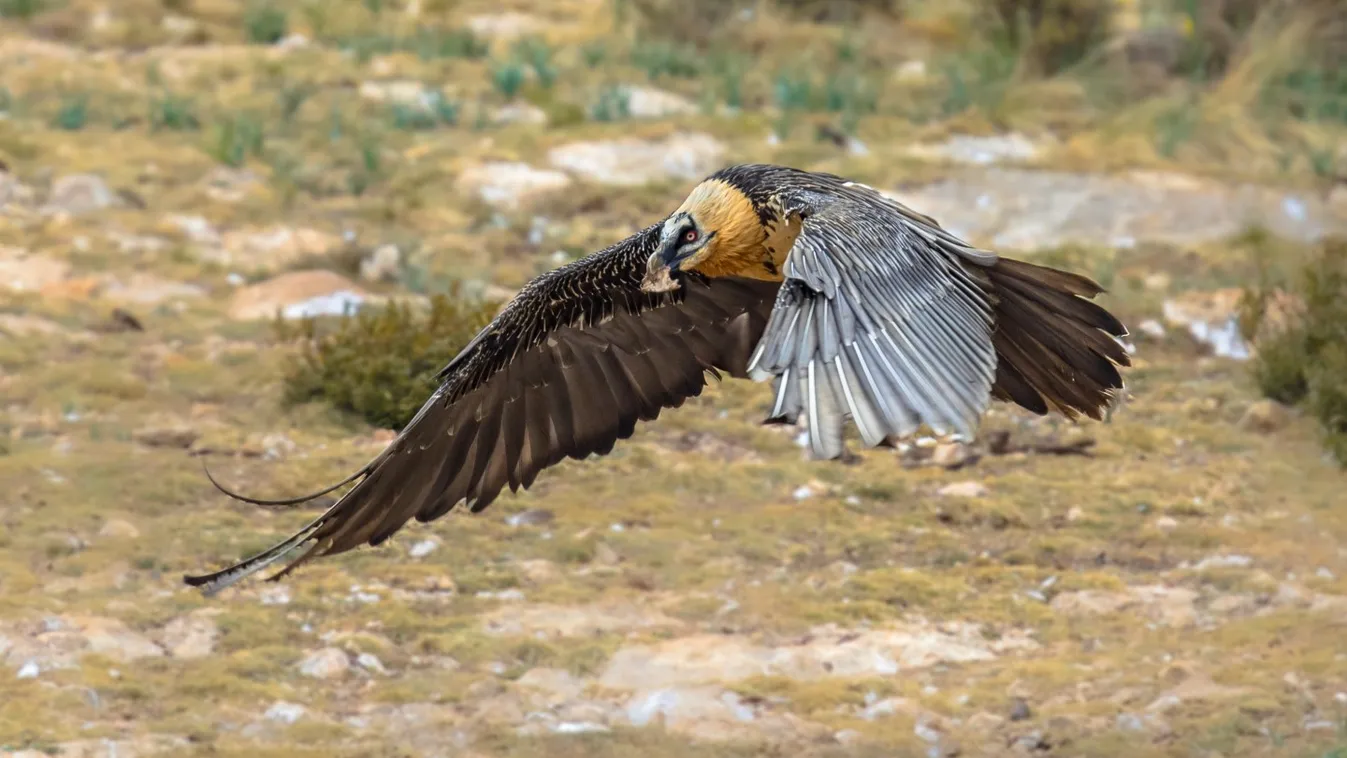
[250, 232]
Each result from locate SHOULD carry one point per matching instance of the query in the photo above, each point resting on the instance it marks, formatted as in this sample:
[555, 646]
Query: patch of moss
[1304, 361]
[381, 364]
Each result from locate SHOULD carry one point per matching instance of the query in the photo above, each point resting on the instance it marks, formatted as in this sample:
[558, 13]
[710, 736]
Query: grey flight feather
[881, 320]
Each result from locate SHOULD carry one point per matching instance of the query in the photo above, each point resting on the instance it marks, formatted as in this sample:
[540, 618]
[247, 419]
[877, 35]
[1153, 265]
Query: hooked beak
[658, 275]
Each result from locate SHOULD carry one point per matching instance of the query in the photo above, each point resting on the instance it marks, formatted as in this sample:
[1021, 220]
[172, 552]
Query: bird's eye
[690, 235]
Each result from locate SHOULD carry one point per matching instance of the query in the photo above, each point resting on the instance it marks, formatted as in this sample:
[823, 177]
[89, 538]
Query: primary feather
[853, 305]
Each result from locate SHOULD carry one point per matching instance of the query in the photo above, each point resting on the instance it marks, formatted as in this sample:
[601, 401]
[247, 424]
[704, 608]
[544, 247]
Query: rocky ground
[1173, 582]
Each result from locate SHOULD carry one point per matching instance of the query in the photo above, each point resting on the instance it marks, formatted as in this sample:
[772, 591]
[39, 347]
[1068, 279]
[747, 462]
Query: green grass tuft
[265, 24]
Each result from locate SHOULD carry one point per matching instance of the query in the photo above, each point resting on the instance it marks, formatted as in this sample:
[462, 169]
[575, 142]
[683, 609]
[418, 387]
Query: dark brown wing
[567, 369]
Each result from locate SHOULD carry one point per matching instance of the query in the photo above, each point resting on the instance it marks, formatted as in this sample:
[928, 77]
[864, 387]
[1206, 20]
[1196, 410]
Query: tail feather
[1055, 349]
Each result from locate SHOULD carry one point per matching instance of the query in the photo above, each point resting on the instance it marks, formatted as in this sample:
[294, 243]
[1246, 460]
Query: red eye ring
[690, 235]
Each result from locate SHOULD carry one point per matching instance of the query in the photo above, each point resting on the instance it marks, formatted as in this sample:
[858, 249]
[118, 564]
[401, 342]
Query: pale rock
[1166, 606]
[423, 548]
[14, 193]
[713, 715]
[539, 571]
[297, 294]
[1091, 602]
[370, 662]
[604, 555]
[382, 265]
[23, 271]
[1166, 524]
[632, 162]
[575, 620]
[951, 455]
[226, 184]
[286, 713]
[648, 102]
[889, 707]
[78, 194]
[118, 529]
[141, 288]
[197, 229]
[1212, 319]
[551, 686]
[1194, 688]
[530, 517]
[191, 636]
[507, 26]
[963, 489]
[829, 652]
[25, 325]
[1152, 328]
[520, 113]
[911, 71]
[401, 92]
[328, 663]
[982, 151]
[270, 248]
[510, 185]
[1013, 208]
[1224, 561]
[275, 595]
[1265, 416]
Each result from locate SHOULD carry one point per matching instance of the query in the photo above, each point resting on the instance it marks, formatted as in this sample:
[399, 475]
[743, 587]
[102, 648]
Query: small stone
[520, 113]
[925, 732]
[911, 71]
[802, 493]
[950, 455]
[1019, 710]
[29, 670]
[1074, 514]
[538, 571]
[647, 102]
[328, 663]
[1224, 561]
[1265, 417]
[847, 737]
[423, 548]
[605, 555]
[191, 636]
[275, 595]
[1130, 722]
[78, 194]
[298, 294]
[1152, 328]
[509, 185]
[286, 713]
[118, 529]
[371, 662]
[530, 517]
[963, 489]
[382, 265]
[1166, 524]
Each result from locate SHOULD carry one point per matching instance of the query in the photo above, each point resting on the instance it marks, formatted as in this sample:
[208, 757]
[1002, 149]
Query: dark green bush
[1303, 360]
[381, 363]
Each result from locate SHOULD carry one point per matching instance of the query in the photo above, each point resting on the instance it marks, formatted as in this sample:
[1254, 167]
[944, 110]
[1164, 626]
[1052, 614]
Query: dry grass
[706, 497]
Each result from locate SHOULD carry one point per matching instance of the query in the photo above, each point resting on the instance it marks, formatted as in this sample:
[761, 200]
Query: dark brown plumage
[853, 305]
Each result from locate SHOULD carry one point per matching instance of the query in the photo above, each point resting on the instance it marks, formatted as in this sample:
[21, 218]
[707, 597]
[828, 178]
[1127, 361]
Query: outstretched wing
[565, 370]
[880, 319]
